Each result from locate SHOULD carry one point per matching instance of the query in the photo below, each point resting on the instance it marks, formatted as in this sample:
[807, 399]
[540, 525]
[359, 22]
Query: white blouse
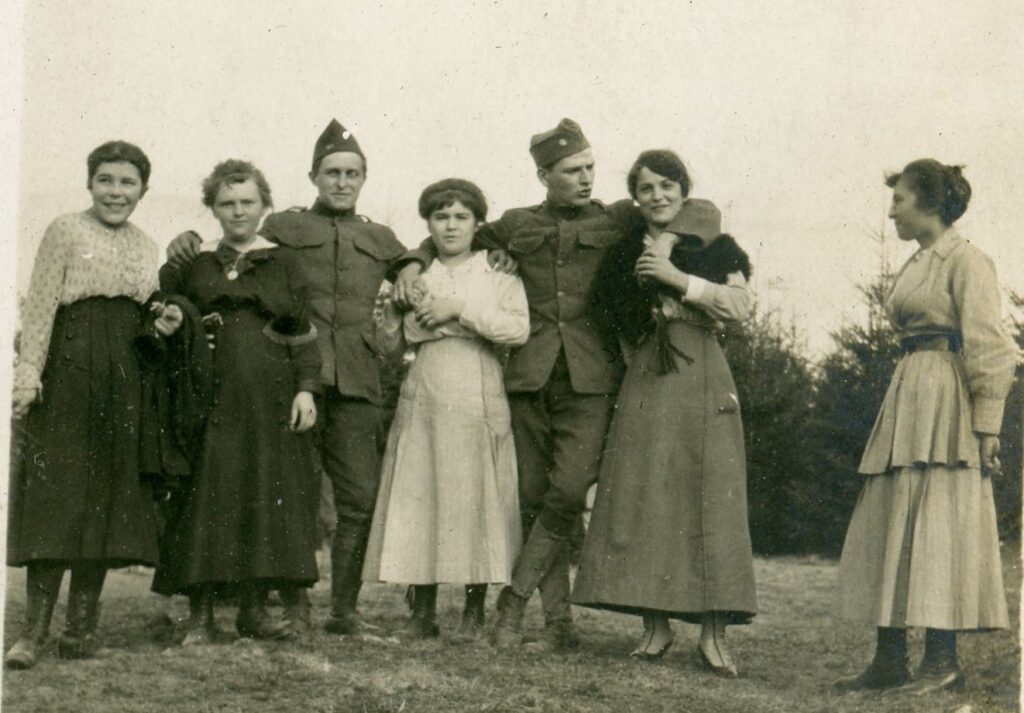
[80, 257]
[495, 306]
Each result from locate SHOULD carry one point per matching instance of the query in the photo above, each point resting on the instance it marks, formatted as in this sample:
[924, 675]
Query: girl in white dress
[448, 510]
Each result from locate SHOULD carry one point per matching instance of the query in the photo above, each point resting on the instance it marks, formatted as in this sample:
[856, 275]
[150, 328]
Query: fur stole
[624, 306]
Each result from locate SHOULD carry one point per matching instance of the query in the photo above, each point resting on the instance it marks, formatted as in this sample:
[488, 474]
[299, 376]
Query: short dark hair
[662, 162]
[114, 151]
[936, 186]
[234, 171]
[444, 193]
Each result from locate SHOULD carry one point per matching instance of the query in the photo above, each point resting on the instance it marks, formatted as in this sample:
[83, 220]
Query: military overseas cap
[698, 217]
[564, 140]
[335, 138]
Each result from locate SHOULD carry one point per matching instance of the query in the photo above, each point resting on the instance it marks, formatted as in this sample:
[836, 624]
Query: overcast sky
[788, 116]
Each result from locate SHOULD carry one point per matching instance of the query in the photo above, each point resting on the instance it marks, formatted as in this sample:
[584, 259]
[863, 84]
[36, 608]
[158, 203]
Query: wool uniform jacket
[559, 250]
[341, 261]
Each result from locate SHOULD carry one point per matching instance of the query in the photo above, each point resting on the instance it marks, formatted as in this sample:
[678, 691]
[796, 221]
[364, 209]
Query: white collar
[260, 243]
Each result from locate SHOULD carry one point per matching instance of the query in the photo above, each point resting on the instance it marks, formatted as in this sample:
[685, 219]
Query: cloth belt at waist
[932, 343]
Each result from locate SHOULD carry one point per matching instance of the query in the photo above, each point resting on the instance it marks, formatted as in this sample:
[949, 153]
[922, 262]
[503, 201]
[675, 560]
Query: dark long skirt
[249, 513]
[75, 488]
[669, 530]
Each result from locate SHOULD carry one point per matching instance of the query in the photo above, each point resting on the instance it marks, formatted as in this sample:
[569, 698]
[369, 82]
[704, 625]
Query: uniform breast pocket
[379, 250]
[527, 241]
[597, 239]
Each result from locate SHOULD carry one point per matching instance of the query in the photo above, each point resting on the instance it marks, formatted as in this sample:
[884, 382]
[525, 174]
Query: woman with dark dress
[668, 538]
[249, 519]
[77, 501]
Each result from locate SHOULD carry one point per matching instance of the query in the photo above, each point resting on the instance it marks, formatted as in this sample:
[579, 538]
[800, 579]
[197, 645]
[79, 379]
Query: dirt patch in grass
[788, 659]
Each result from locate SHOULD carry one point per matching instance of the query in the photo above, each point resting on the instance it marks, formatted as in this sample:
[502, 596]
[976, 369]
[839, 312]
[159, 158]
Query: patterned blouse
[80, 257]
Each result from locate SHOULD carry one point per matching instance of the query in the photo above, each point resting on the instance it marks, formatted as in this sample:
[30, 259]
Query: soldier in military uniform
[561, 384]
[342, 259]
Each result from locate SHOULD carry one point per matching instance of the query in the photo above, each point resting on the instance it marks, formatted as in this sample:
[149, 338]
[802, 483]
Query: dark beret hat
[461, 185]
[555, 144]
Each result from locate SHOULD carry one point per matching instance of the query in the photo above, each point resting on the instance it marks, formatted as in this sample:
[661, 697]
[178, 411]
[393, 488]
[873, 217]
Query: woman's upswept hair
[936, 186]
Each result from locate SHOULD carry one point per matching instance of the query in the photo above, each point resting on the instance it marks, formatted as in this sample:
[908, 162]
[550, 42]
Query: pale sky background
[787, 115]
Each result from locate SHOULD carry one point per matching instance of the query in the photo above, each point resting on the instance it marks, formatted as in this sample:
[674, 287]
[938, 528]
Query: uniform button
[561, 293]
[561, 324]
[560, 263]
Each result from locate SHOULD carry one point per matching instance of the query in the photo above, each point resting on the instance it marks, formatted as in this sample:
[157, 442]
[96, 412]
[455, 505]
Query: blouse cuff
[988, 415]
[472, 316]
[26, 376]
[695, 290]
[290, 340]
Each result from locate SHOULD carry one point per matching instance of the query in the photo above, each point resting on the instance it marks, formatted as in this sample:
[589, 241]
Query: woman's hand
[303, 412]
[501, 261]
[169, 318]
[990, 464]
[22, 399]
[434, 312]
[654, 267]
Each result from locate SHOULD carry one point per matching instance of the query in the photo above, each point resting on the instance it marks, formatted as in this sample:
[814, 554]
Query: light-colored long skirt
[448, 506]
[922, 550]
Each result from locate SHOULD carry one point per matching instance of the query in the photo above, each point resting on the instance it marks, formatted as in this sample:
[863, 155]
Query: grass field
[788, 658]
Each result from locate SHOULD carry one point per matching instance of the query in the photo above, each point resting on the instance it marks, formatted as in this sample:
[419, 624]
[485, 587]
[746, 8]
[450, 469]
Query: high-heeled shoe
[722, 670]
[645, 655]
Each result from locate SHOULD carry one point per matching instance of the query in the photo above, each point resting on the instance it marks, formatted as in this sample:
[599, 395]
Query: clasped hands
[431, 312]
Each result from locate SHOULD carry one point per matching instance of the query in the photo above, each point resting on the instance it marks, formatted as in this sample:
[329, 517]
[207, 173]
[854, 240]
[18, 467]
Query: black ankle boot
[253, 619]
[423, 622]
[43, 586]
[202, 628]
[939, 669]
[78, 641]
[889, 667]
[471, 627]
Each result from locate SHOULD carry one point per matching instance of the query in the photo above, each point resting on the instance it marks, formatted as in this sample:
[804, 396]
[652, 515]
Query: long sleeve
[504, 320]
[41, 303]
[424, 254]
[173, 279]
[989, 352]
[730, 302]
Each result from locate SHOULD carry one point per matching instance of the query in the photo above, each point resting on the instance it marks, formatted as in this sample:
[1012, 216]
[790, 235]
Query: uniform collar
[324, 209]
[564, 212]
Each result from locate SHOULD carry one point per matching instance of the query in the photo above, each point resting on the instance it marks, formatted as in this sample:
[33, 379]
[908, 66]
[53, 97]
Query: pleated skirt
[922, 550]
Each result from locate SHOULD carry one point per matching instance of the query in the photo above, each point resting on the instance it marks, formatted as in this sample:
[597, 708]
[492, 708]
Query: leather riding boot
[346, 576]
[253, 619]
[889, 667]
[423, 622]
[540, 552]
[297, 610]
[559, 631]
[78, 641]
[508, 632]
[473, 614]
[42, 587]
[202, 628]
